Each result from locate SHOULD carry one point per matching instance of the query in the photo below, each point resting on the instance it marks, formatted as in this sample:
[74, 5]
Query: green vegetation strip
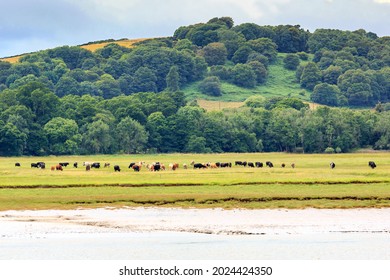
[194, 184]
[238, 196]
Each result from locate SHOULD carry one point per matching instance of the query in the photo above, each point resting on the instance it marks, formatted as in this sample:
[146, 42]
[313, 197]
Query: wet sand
[208, 221]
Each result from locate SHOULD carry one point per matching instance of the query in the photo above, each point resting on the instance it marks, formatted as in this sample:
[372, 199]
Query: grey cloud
[48, 23]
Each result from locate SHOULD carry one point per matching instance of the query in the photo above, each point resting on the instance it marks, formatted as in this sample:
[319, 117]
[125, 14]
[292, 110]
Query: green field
[311, 184]
[280, 83]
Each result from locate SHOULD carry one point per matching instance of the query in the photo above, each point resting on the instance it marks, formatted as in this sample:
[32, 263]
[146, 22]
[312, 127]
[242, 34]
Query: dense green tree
[310, 133]
[325, 94]
[260, 71]
[265, 47]
[44, 105]
[243, 75]
[311, 76]
[382, 128]
[72, 56]
[327, 39]
[203, 34]
[232, 41]
[113, 50]
[224, 21]
[222, 72]
[282, 130]
[242, 54]
[184, 44]
[215, 54]
[97, 138]
[66, 86]
[355, 85]
[144, 80]
[252, 31]
[37, 143]
[12, 140]
[290, 39]
[131, 136]
[331, 74]
[63, 136]
[108, 86]
[196, 144]
[211, 86]
[173, 79]
[291, 61]
[156, 127]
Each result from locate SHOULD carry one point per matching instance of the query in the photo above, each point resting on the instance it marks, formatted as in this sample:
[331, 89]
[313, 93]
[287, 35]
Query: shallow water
[181, 245]
[171, 234]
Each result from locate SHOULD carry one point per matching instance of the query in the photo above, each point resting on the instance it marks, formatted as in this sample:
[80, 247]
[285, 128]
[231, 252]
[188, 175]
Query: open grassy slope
[280, 82]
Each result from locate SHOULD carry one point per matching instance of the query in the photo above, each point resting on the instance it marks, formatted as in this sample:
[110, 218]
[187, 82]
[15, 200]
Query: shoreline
[194, 220]
[195, 234]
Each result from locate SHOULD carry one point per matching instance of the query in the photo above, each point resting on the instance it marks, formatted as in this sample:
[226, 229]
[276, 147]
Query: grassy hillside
[127, 43]
[280, 82]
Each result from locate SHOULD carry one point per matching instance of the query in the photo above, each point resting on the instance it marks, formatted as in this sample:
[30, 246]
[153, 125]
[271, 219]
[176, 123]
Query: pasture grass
[311, 184]
[281, 82]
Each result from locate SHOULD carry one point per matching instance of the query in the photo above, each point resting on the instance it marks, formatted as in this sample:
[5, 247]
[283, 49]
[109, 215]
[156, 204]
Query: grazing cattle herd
[158, 166]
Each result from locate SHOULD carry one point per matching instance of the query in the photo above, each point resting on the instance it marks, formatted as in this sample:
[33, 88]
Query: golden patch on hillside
[127, 43]
[209, 105]
[12, 59]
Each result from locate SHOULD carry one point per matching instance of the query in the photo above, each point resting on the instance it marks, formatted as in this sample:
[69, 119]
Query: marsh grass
[311, 184]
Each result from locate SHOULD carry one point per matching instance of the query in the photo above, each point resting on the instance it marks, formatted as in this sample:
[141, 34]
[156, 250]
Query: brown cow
[173, 166]
[59, 167]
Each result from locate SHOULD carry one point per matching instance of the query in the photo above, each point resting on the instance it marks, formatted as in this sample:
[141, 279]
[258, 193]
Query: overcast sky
[32, 25]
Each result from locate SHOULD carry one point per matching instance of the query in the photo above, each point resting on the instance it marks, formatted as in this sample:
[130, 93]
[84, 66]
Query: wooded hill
[71, 100]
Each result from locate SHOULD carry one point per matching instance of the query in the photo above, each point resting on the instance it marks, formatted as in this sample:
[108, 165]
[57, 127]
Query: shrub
[329, 150]
[211, 86]
[291, 61]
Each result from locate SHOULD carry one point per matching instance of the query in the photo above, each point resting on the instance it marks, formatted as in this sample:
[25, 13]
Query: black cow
[250, 164]
[75, 165]
[136, 167]
[64, 164]
[39, 164]
[269, 164]
[117, 168]
[17, 164]
[225, 164]
[371, 164]
[259, 164]
[332, 165]
[283, 165]
[95, 165]
[238, 163]
[157, 167]
[199, 165]
[131, 165]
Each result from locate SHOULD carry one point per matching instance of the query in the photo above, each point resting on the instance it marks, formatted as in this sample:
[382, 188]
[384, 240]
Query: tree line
[34, 121]
[69, 100]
